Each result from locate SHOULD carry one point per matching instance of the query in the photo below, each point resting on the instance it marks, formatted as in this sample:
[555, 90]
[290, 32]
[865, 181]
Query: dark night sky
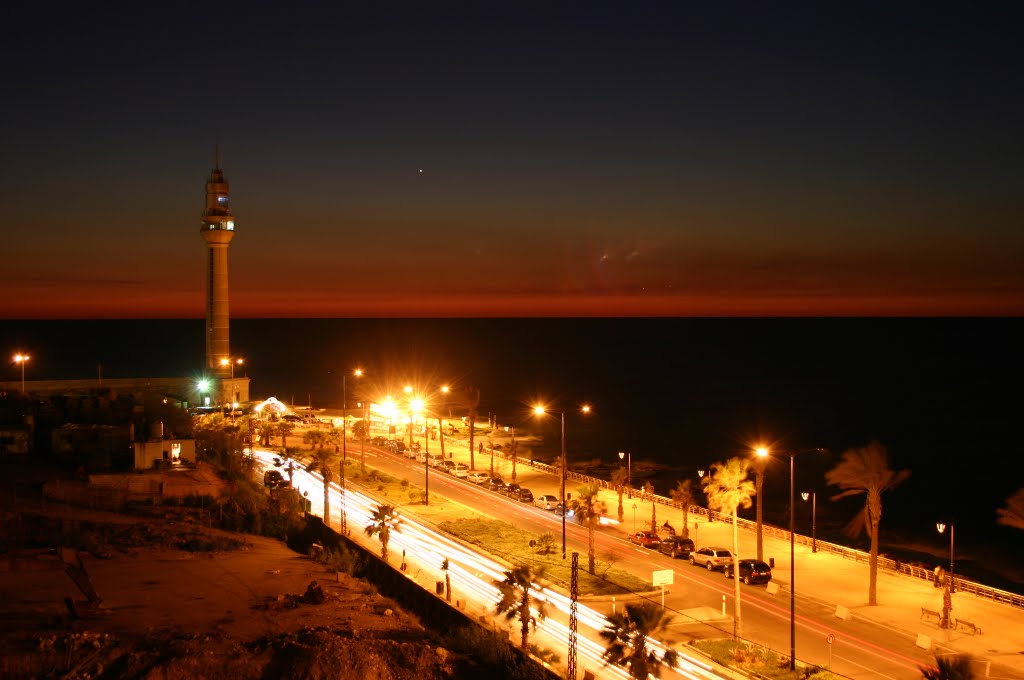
[578, 159]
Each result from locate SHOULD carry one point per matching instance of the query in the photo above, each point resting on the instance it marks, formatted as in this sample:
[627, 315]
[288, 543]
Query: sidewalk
[828, 579]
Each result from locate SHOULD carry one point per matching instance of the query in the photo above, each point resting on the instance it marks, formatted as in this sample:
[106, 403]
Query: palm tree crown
[383, 520]
[516, 600]
[587, 509]
[626, 639]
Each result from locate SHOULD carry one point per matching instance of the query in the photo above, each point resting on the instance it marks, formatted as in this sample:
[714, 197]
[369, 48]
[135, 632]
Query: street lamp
[344, 443]
[762, 452]
[942, 529]
[541, 410]
[628, 455]
[813, 495]
[22, 359]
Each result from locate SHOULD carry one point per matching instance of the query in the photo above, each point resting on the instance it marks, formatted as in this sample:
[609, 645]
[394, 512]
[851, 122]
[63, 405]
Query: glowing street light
[541, 410]
[22, 359]
[628, 455]
[762, 452]
[358, 373]
[947, 603]
[813, 495]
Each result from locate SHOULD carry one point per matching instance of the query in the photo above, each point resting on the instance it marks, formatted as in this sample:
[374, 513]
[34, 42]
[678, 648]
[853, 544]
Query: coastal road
[860, 649]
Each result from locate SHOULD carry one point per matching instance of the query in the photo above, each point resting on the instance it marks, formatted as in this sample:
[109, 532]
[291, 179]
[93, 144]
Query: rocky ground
[179, 600]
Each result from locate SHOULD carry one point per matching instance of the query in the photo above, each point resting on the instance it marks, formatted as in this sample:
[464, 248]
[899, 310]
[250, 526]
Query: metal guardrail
[884, 563]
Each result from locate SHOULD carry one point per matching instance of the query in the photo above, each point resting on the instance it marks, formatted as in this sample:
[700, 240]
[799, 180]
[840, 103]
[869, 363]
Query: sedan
[495, 484]
[751, 571]
[546, 502]
[460, 470]
[511, 490]
[478, 477]
[647, 539]
[711, 558]
[523, 496]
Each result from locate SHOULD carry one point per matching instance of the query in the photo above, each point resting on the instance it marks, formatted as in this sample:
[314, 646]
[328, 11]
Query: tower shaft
[218, 228]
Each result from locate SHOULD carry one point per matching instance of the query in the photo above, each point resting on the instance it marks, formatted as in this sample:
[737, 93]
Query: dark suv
[751, 571]
[676, 547]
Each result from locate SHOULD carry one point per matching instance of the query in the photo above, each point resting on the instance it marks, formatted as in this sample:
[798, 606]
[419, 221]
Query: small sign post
[830, 639]
[662, 578]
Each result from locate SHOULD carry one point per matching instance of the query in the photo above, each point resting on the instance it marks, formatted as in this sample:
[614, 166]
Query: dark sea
[946, 396]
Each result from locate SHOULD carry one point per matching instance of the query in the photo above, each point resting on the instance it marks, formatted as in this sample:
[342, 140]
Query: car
[415, 447]
[523, 496]
[676, 547]
[495, 484]
[447, 466]
[478, 477]
[647, 539]
[273, 479]
[751, 571]
[546, 502]
[460, 470]
[435, 460]
[511, 489]
[396, 445]
[379, 441]
[710, 558]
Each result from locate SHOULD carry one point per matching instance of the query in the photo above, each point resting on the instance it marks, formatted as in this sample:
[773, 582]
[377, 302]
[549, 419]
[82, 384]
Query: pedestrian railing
[884, 563]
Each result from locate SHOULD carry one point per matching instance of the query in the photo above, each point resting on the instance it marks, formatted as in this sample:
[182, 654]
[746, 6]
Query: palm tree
[1013, 514]
[447, 579]
[473, 403]
[513, 447]
[516, 600]
[759, 464]
[322, 460]
[619, 478]
[649, 490]
[866, 471]
[682, 494]
[384, 519]
[284, 428]
[949, 667]
[626, 638]
[266, 431]
[587, 509]
[362, 431]
[727, 489]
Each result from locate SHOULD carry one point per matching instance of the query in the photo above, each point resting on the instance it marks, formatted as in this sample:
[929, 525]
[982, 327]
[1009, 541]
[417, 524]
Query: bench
[968, 626]
[929, 613]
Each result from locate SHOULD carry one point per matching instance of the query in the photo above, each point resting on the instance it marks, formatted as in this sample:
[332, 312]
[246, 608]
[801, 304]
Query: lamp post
[444, 390]
[232, 363]
[942, 529]
[344, 443]
[628, 455]
[22, 359]
[792, 551]
[541, 410]
[813, 495]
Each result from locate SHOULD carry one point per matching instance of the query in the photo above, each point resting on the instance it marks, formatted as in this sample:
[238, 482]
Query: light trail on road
[475, 573]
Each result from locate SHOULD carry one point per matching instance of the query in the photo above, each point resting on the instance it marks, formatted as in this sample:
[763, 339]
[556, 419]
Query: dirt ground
[169, 613]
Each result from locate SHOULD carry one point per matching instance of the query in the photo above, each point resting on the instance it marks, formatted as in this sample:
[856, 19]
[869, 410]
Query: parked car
[710, 558]
[379, 441]
[447, 466]
[546, 502]
[647, 539]
[495, 484]
[676, 547]
[524, 496]
[751, 571]
[436, 460]
[460, 470]
[510, 489]
[478, 477]
[415, 447]
[396, 445]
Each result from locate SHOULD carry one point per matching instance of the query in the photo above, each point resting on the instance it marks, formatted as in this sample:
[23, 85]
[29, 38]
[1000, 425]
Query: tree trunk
[524, 618]
[590, 546]
[472, 460]
[621, 511]
[872, 523]
[440, 429]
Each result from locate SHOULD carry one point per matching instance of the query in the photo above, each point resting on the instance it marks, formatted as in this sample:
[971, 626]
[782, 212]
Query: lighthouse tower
[218, 228]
